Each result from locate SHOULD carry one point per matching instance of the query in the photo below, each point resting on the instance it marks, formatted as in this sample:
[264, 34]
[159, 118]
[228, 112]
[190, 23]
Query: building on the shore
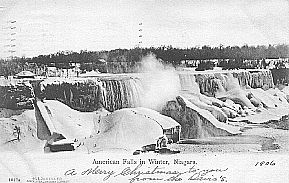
[73, 70]
[25, 74]
[173, 133]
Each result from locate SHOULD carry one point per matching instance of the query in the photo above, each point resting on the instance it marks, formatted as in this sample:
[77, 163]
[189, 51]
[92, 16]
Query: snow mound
[129, 129]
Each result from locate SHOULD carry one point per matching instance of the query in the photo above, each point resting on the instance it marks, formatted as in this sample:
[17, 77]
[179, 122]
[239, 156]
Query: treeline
[167, 53]
[90, 60]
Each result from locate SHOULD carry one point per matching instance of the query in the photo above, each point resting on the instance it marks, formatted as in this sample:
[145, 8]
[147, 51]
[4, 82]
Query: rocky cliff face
[16, 95]
[83, 95]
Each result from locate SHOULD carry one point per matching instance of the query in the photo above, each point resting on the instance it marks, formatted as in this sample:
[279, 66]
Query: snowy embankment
[18, 131]
[127, 129]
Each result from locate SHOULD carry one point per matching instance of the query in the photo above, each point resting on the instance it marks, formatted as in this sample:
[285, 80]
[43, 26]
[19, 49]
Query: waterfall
[90, 94]
[122, 93]
[209, 83]
[115, 92]
[188, 83]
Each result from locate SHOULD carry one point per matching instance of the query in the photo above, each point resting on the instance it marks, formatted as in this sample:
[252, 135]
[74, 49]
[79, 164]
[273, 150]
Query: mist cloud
[161, 82]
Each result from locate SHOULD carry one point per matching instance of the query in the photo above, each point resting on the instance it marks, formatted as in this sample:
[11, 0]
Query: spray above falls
[160, 82]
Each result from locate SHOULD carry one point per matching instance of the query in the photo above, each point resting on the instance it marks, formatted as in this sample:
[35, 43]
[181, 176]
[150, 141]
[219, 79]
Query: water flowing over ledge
[127, 90]
[90, 94]
[210, 81]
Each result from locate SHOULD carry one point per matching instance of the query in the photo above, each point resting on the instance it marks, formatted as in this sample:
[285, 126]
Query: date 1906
[265, 163]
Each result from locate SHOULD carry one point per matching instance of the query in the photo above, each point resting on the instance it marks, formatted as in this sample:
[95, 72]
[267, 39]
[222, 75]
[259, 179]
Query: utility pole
[140, 35]
[140, 38]
[10, 46]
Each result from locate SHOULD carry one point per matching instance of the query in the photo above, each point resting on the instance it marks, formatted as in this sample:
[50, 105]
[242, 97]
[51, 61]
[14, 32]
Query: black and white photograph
[143, 91]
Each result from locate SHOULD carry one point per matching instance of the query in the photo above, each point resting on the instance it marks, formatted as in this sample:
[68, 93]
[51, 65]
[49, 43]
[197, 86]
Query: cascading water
[255, 78]
[92, 93]
[188, 83]
[209, 83]
[262, 78]
[122, 93]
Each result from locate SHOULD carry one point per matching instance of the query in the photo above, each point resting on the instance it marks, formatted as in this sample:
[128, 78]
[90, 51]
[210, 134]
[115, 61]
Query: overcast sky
[47, 26]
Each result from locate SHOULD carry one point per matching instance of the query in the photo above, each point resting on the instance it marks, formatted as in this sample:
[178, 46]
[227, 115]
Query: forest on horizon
[168, 54]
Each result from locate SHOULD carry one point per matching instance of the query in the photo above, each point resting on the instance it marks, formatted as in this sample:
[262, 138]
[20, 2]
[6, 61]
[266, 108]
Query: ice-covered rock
[204, 103]
[196, 122]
